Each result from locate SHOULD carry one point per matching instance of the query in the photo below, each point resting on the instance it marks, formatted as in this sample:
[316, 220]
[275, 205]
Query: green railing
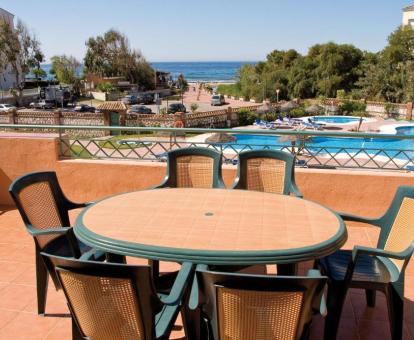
[321, 149]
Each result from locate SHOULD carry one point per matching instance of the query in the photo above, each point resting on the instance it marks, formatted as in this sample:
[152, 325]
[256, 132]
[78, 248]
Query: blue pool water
[405, 130]
[324, 145]
[336, 119]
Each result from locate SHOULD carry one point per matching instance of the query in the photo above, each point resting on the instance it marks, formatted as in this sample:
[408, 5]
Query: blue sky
[213, 30]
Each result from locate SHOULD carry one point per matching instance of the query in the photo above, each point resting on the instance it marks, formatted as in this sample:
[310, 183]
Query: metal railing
[319, 149]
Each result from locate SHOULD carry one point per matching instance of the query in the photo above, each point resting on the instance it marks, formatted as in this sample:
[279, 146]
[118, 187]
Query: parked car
[6, 107]
[84, 108]
[42, 104]
[176, 107]
[145, 99]
[130, 100]
[217, 99]
[141, 109]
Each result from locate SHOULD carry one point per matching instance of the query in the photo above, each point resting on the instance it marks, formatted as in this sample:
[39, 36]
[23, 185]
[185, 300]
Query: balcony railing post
[12, 117]
[409, 111]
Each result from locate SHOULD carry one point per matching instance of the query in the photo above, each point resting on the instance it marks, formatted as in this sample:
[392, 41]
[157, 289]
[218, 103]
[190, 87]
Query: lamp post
[277, 95]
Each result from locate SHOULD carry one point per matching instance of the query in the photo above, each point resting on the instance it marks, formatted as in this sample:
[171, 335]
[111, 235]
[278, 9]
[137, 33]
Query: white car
[6, 107]
[217, 99]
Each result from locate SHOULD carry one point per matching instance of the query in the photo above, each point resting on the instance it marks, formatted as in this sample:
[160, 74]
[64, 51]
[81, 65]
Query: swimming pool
[335, 119]
[405, 130]
[402, 149]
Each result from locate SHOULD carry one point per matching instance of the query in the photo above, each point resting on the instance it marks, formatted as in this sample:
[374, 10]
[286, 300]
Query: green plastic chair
[270, 171]
[44, 210]
[372, 269]
[193, 168]
[117, 301]
[243, 306]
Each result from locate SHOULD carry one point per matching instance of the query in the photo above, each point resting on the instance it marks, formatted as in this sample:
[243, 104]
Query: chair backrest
[265, 170]
[106, 300]
[194, 168]
[397, 231]
[41, 202]
[242, 306]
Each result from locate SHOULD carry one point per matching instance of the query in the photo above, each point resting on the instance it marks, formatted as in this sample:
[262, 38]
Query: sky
[212, 30]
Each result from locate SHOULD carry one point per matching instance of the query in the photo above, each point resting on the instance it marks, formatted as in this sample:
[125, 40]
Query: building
[7, 75]
[408, 16]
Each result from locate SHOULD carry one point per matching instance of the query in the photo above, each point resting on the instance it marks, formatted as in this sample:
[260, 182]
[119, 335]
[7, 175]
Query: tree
[21, 50]
[182, 85]
[388, 75]
[64, 68]
[110, 55]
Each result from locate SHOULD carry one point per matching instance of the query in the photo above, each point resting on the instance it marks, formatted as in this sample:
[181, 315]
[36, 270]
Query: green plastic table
[211, 226]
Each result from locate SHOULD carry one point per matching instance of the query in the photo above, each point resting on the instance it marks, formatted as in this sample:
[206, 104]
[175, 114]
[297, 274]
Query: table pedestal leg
[115, 258]
[155, 266]
[287, 269]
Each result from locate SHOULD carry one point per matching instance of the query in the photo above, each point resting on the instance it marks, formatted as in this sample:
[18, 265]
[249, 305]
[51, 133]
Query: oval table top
[211, 226]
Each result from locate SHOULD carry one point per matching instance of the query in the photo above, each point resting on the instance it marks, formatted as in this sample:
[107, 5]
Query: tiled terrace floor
[19, 320]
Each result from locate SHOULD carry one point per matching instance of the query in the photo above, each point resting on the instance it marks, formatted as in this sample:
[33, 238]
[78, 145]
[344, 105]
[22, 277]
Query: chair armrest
[93, 255]
[354, 218]
[194, 293]
[323, 310]
[48, 231]
[179, 285]
[164, 184]
[359, 250]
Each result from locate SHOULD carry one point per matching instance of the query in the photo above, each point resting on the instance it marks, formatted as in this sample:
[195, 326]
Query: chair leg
[335, 301]
[155, 267]
[42, 279]
[395, 312]
[288, 269]
[76, 334]
[115, 258]
[370, 295]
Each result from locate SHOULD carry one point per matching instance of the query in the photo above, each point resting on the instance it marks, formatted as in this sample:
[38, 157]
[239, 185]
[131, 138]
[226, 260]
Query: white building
[7, 75]
[408, 16]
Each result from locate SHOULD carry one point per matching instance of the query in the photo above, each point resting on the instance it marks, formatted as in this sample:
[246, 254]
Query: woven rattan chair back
[265, 174]
[398, 223]
[41, 203]
[249, 314]
[269, 171]
[107, 300]
[103, 305]
[193, 168]
[242, 306]
[194, 172]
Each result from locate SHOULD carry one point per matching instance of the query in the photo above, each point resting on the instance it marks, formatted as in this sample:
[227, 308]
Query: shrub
[106, 87]
[391, 110]
[246, 117]
[193, 107]
[340, 94]
[348, 107]
[298, 112]
[163, 111]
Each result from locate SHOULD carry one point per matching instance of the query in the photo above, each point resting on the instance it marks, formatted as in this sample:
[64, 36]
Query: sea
[211, 71]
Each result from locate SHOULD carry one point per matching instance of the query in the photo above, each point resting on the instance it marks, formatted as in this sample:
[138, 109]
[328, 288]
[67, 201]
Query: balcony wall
[363, 192]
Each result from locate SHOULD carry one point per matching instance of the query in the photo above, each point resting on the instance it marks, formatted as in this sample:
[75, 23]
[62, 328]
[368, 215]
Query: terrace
[359, 190]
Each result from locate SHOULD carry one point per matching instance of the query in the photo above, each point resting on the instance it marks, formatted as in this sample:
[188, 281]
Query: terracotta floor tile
[363, 312]
[6, 316]
[16, 297]
[28, 277]
[373, 330]
[11, 270]
[28, 326]
[61, 331]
